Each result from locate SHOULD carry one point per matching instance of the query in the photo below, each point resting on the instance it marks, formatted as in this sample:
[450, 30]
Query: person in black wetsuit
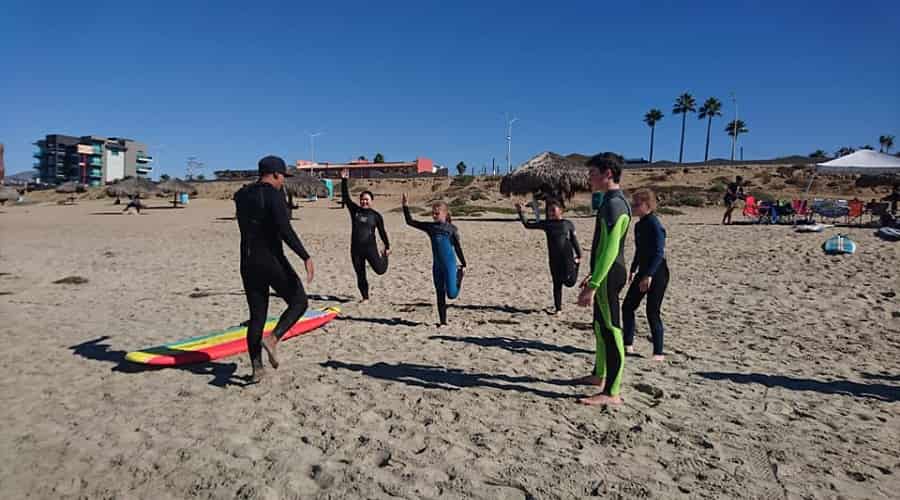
[263, 220]
[363, 247]
[563, 250]
[733, 193]
[445, 248]
[649, 272]
[606, 280]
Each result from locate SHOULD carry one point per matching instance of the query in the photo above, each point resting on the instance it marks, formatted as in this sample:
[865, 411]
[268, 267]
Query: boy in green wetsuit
[608, 276]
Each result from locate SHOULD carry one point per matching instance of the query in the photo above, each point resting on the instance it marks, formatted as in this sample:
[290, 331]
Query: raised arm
[278, 207]
[345, 194]
[422, 226]
[526, 223]
[458, 247]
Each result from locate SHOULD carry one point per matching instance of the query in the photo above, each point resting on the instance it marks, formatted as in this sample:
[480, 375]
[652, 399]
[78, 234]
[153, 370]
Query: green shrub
[717, 188]
[668, 211]
[691, 201]
[462, 180]
[583, 210]
[721, 180]
[761, 195]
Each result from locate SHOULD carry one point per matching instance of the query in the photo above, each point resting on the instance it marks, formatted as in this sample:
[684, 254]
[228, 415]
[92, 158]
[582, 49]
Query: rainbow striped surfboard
[224, 343]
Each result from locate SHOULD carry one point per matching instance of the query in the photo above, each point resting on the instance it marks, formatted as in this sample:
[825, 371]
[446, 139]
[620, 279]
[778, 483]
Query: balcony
[144, 159]
[97, 162]
[95, 173]
[143, 170]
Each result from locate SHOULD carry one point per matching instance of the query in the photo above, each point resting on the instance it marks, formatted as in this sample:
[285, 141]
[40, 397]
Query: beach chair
[751, 208]
[855, 211]
[801, 210]
[879, 211]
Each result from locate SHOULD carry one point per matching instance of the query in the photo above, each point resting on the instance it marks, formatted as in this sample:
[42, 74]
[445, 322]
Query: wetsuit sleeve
[379, 224]
[608, 250]
[278, 207]
[529, 225]
[421, 226]
[458, 248]
[659, 247]
[574, 239]
[345, 194]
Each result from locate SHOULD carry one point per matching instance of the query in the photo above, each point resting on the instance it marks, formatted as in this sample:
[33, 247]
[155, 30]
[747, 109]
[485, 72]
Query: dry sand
[782, 380]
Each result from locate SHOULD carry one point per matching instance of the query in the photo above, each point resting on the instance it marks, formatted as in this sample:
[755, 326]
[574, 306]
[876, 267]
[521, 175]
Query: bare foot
[659, 357]
[258, 375]
[270, 344]
[363, 301]
[589, 380]
[600, 399]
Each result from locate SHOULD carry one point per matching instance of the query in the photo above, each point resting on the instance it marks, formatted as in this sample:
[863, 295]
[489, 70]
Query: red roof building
[368, 169]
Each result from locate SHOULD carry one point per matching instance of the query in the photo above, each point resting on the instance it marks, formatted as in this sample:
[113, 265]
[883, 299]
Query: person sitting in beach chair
[894, 198]
[751, 208]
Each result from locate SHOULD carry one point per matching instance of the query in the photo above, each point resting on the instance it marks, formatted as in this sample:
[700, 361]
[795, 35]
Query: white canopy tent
[864, 161]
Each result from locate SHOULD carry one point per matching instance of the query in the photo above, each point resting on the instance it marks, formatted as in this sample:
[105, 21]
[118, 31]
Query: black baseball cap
[272, 165]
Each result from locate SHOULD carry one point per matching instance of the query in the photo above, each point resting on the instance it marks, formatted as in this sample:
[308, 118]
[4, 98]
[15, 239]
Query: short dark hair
[553, 202]
[739, 179]
[371, 195]
[608, 161]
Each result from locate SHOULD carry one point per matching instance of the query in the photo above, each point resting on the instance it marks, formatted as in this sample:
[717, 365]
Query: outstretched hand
[310, 270]
[586, 297]
[518, 206]
[345, 173]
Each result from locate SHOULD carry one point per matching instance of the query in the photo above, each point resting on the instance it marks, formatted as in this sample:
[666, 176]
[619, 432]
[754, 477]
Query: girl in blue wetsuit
[444, 242]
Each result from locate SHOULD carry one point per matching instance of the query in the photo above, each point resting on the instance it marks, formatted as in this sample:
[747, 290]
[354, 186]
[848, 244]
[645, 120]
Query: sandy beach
[782, 378]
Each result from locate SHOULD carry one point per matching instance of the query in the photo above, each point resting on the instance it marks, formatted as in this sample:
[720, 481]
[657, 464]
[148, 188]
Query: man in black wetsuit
[562, 248]
[363, 247]
[262, 216]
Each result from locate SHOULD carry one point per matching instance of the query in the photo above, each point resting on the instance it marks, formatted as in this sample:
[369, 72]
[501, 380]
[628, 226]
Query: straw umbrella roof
[131, 186]
[71, 187]
[302, 185]
[547, 173]
[177, 186]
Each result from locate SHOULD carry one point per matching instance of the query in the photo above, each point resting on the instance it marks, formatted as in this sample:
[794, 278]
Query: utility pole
[192, 166]
[509, 124]
[734, 126]
[493, 166]
[312, 145]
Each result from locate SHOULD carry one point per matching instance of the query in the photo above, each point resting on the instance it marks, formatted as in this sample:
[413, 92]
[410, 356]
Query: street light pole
[734, 126]
[509, 124]
[312, 145]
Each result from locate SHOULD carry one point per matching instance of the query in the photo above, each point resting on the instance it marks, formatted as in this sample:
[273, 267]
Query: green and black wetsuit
[608, 276]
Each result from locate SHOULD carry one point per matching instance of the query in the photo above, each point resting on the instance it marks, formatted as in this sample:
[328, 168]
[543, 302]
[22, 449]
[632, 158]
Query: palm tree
[736, 128]
[710, 109]
[844, 151]
[651, 118]
[683, 105]
[818, 154]
[887, 142]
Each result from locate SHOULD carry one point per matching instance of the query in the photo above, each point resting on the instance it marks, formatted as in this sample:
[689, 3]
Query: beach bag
[838, 245]
[889, 234]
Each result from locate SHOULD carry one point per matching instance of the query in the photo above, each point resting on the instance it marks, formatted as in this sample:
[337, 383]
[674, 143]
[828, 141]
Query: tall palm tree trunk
[681, 150]
[708, 125]
[652, 132]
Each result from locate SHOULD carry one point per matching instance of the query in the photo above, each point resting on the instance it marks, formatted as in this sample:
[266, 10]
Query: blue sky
[234, 82]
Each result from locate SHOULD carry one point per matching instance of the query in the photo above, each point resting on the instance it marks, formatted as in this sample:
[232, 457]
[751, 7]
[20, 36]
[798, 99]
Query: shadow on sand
[513, 344]
[97, 350]
[448, 379]
[379, 321]
[475, 307]
[881, 392]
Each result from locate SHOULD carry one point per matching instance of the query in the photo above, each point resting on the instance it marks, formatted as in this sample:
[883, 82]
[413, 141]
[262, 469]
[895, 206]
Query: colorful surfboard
[225, 343]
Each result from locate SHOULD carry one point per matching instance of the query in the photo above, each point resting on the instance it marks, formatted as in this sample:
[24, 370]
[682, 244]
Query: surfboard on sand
[224, 343]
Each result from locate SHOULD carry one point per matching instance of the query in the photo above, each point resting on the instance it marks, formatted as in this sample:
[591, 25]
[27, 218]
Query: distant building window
[115, 153]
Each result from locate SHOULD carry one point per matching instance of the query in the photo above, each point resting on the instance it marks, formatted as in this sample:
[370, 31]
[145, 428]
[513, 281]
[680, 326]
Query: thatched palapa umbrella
[176, 186]
[131, 186]
[547, 175]
[71, 187]
[304, 186]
